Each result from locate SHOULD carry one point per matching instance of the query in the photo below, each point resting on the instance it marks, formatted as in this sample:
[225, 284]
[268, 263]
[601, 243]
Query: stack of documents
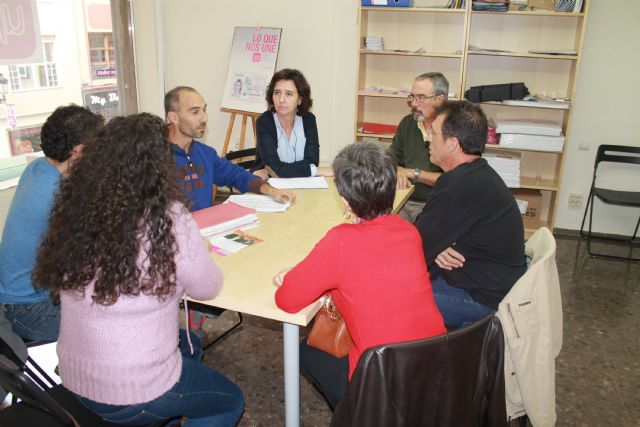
[574, 6]
[490, 6]
[529, 126]
[259, 202]
[508, 167]
[223, 218]
[307, 182]
[543, 135]
[374, 43]
[532, 142]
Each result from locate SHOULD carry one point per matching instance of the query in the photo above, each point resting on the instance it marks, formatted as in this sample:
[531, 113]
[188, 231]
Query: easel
[243, 132]
[243, 129]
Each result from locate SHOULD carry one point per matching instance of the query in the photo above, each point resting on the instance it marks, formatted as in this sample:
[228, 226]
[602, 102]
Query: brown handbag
[329, 332]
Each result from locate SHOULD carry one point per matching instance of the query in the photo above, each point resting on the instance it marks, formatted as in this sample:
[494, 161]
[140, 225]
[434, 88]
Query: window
[102, 55]
[36, 76]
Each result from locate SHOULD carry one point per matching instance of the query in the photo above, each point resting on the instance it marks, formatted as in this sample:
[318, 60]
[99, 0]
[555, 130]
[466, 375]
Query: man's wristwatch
[416, 174]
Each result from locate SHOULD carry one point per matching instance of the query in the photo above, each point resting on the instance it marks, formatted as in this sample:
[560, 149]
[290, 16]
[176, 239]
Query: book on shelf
[379, 128]
[222, 218]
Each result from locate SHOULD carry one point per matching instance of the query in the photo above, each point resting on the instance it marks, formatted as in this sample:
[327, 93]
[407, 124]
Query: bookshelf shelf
[452, 42]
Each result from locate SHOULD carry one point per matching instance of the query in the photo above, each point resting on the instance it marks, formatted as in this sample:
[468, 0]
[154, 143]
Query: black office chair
[455, 379]
[244, 158]
[612, 154]
[41, 404]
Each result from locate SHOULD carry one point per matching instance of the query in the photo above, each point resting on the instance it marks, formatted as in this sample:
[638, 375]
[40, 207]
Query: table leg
[291, 335]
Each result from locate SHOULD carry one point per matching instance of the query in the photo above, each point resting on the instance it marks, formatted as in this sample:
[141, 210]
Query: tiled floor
[598, 370]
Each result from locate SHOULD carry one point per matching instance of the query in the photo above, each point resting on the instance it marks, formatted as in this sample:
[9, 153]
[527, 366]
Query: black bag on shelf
[498, 92]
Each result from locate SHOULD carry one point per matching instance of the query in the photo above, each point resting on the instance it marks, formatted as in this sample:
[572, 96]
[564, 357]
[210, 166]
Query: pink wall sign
[19, 32]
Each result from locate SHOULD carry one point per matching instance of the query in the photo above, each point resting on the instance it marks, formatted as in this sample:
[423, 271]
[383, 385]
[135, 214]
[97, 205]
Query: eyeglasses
[419, 97]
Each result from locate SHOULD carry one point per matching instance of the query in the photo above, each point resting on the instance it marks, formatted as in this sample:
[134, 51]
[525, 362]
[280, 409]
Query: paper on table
[259, 202]
[307, 182]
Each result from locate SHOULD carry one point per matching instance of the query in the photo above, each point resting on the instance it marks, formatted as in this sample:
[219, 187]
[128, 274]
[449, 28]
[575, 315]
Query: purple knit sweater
[127, 353]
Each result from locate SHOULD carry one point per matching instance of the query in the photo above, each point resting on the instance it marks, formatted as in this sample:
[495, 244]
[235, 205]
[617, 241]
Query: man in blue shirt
[27, 306]
[198, 164]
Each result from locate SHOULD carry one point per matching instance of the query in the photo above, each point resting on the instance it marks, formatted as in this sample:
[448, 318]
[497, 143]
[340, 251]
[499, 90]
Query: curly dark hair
[115, 203]
[302, 86]
[67, 127]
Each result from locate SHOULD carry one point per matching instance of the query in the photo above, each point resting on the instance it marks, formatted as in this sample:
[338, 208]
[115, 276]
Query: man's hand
[450, 259]
[279, 278]
[277, 194]
[404, 175]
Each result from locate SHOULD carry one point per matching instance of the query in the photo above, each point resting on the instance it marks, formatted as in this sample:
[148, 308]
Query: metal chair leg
[227, 332]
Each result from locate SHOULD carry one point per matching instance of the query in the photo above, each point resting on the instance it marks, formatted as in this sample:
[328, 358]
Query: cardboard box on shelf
[533, 199]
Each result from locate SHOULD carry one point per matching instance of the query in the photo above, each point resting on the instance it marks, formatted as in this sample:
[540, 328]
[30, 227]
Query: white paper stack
[507, 166]
[532, 142]
[542, 135]
[259, 202]
[374, 43]
[529, 127]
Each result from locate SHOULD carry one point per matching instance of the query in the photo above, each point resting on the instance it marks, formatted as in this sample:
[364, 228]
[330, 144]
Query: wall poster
[24, 140]
[252, 62]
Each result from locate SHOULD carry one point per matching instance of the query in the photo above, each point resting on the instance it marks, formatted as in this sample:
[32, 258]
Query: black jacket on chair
[456, 380]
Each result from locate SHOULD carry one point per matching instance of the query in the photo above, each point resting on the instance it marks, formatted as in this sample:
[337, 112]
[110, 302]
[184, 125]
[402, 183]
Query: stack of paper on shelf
[222, 218]
[530, 127]
[507, 166]
[532, 142]
[374, 43]
[542, 135]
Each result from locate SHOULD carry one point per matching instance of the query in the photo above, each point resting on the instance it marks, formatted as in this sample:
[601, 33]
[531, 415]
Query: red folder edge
[218, 214]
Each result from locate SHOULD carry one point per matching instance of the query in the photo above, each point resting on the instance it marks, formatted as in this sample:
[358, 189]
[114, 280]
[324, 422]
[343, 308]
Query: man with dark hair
[199, 165]
[27, 306]
[471, 228]
[428, 92]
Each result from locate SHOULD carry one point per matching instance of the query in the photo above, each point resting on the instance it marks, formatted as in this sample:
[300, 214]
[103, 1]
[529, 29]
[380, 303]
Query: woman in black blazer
[287, 133]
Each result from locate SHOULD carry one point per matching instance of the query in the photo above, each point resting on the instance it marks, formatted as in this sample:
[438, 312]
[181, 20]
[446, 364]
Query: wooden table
[288, 238]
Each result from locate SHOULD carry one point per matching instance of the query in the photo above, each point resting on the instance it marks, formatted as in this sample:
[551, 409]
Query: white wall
[605, 110]
[320, 38]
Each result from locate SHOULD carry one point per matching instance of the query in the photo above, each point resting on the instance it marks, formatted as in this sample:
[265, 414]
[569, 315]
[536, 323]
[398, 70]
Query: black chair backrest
[455, 379]
[17, 382]
[612, 153]
[248, 153]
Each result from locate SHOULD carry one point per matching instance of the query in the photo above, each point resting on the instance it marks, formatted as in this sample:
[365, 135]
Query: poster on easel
[252, 62]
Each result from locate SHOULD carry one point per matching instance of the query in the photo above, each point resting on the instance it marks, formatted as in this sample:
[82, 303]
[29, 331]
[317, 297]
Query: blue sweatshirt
[202, 168]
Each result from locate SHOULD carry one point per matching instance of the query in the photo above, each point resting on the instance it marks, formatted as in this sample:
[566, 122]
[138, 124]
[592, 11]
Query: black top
[471, 209]
[267, 142]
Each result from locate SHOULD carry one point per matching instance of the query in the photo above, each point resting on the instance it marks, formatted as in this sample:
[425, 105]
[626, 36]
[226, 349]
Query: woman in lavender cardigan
[120, 252]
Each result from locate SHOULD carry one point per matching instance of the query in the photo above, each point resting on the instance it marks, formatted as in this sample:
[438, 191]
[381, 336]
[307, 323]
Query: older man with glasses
[411, 142]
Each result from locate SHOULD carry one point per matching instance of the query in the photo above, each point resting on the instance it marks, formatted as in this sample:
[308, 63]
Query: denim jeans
[203, 395]
[329, 374]
[39, 321]
[457, 307]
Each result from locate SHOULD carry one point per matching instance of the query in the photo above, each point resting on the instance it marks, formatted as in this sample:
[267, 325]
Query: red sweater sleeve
[314, 276]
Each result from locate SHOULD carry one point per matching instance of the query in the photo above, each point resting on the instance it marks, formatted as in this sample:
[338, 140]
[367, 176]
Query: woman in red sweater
[373, 268]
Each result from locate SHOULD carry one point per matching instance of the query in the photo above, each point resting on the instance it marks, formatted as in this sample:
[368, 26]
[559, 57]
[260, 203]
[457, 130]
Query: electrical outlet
[575, 200]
